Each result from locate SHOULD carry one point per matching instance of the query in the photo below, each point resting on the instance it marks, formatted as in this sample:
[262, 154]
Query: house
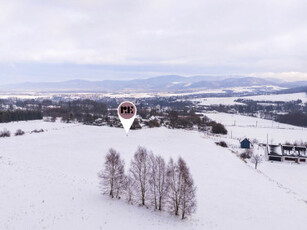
[154, 118]
[274, 153]
[300, 151]
[158, 108]
[139, 118]
[287, 149]
[288, 153]
[245, 144]
[98, 122]
[269, 116]
[232, 111]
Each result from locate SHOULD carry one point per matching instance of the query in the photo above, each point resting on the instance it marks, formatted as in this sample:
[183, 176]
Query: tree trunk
[111, 190]
[177, 209]
[143, 198]
[156, 202]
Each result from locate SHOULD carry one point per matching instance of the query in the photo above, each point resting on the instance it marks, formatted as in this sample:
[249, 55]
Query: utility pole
[267, 147]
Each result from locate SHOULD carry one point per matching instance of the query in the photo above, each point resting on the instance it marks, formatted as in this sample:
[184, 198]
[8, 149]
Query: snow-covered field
[217, 101]
[290, 177]
[272, 97]
[239, 126]
[49, 181]
[279, 97]
[28, 126]
[76, 95]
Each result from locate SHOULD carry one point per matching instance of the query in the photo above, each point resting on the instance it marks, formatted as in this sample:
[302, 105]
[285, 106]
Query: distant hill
[169, 83]
[301, 89]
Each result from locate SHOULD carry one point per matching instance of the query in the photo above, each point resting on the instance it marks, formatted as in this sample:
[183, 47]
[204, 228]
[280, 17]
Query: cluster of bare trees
[150, 182]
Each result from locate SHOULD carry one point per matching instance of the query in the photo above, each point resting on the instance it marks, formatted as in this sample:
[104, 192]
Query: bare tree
[188, 199]
[119, 182]
[113, 175]
[129, 188]
[181, 189]
[161, 181]
[140, 172]
[153, 188]
[174, 185]
[157, 181]
[256, 159]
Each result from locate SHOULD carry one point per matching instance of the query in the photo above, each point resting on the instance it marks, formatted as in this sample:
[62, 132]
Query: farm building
[245, 143]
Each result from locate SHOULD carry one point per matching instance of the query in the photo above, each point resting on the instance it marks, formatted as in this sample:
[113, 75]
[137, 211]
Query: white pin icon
[126, 112]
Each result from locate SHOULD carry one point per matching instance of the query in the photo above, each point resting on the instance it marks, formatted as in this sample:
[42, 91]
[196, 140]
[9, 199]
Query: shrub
[153, 123]
[19, 132]
[218, 128]
[247, 154]
[136, 124]
[37, 131]
[222, 144]
[5, 133]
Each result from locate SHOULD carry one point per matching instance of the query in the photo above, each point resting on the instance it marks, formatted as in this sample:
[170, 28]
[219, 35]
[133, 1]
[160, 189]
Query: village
[169, 112]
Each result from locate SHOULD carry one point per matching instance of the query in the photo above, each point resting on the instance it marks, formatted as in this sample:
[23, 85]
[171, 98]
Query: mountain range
[169, 83]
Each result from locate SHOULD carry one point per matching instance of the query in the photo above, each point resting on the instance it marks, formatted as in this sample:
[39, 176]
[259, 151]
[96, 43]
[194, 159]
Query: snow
[218, 101]
[279, 97]
[28, 126]
[294, 182]
[49, 181]
[28, 95]
[239, 126]
[133, 94]
[290, 177]
[268, 97]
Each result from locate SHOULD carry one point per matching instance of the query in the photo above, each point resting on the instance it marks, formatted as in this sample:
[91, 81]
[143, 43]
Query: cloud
[286, 76]
[238, 36]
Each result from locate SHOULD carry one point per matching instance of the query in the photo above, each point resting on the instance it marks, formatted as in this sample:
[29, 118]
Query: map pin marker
[126, 113]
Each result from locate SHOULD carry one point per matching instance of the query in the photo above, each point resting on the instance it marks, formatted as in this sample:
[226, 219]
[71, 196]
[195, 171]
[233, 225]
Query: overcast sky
[123, 39]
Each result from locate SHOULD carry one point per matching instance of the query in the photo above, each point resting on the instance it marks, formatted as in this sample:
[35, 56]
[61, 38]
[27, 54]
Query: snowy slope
[239, 126]
[291, 176]
[49, 181]
[28, 126]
